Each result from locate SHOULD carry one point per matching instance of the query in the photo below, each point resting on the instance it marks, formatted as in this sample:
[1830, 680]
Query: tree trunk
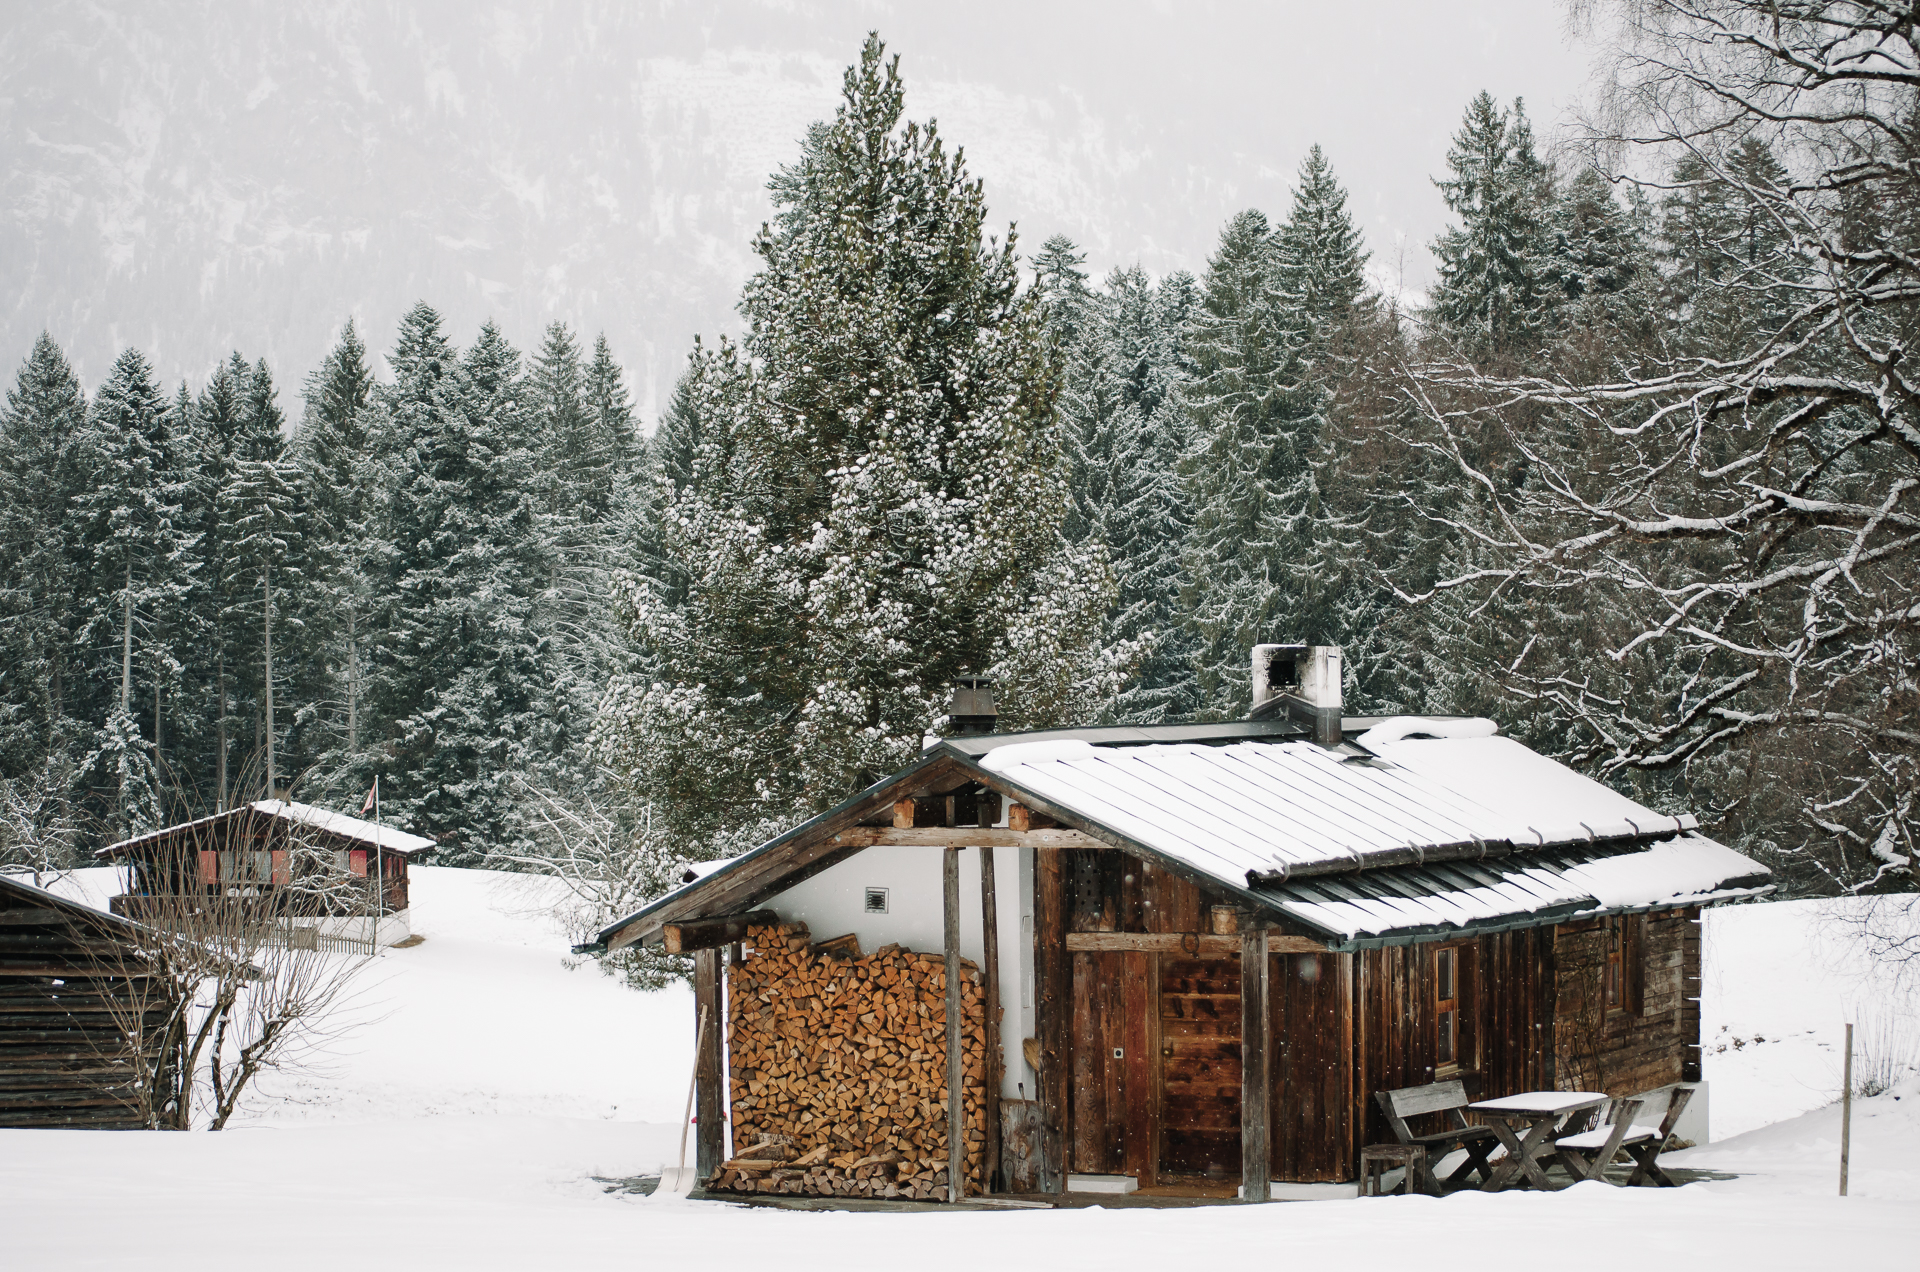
[266, 587]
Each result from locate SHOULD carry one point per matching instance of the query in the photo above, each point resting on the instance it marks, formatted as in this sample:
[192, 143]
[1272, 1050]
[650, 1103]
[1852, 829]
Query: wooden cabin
[330, 874]
[65, 1000]
[1182, 955]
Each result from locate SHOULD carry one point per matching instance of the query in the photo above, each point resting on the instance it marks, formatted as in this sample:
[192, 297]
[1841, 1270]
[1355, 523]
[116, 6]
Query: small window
[876, 900]
[1446, 1005]
[1625, 972]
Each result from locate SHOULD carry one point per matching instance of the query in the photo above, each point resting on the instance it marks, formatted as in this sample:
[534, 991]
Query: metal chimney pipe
[970, 712]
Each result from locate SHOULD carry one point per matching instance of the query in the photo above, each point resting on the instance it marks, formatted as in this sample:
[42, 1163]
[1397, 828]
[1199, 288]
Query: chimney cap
[971, 709]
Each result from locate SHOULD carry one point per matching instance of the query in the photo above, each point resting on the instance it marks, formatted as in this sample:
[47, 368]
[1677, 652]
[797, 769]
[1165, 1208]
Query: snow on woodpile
[839, 1069]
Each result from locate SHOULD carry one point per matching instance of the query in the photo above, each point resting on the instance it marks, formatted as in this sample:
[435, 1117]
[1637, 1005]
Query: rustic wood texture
[62, 1060]
[710, 1127]
[990, 969]
[1506, 997]
[1256, 1026]
[937, 836]
[1311, 1067]
[1053, 1015]
[1616, 1049]
[706, 934]
[847, 1055]
[1200, 1067]
[951, 1044]
[1189, 943]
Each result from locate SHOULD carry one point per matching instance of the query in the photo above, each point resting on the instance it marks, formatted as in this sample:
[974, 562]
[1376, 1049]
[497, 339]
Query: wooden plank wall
[1616, 1050]
[61, 1062]
[1344, 1026]
[1506, 1025]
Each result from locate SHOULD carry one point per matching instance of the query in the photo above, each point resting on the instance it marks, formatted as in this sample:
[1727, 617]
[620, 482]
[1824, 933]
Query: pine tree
[874, 500]
[139, 545]
[1323, 260]
[41, 475]
[463, 676]
[1254, 420]
[344, 495]
[1495, 275]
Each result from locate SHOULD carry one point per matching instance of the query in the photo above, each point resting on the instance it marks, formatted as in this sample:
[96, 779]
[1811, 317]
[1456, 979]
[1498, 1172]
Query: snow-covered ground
[459, 1123]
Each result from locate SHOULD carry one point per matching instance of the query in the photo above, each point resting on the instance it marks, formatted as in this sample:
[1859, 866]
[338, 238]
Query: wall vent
[876, 900]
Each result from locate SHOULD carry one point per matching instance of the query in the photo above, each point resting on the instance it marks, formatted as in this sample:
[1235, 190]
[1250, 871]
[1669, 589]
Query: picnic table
[1525, 1124]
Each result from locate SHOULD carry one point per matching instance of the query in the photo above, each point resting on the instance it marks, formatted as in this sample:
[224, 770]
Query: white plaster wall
[833, 903]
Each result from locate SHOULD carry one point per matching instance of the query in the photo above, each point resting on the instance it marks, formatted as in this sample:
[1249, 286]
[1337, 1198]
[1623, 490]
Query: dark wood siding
[1506, 1032]
[1344, 1026]
[1312, 1067]
[1617, 1049]
[61, 1062]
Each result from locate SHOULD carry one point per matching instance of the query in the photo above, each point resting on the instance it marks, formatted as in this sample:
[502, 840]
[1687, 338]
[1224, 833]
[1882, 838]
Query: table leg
[1530, 1149]
[1506, 1167]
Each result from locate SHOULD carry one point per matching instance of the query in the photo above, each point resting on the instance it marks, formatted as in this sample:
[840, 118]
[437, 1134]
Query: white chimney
[1301, 681]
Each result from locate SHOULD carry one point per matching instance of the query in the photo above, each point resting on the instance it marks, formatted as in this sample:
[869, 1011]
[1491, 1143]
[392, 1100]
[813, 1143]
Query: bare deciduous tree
[1727, 510]
[225, 985]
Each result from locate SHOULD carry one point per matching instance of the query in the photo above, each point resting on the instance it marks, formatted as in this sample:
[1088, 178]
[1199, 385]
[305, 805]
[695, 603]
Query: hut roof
[386, 837]
[1412, 838]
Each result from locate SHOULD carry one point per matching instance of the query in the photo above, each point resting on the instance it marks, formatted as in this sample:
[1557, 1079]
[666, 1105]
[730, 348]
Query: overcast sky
[192, 178]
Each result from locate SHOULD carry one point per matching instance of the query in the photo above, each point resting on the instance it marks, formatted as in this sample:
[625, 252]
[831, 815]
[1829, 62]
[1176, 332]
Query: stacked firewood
[839, 1071]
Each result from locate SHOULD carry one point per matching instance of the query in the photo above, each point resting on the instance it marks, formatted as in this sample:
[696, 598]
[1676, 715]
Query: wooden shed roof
[1415, 839]
[388, 838]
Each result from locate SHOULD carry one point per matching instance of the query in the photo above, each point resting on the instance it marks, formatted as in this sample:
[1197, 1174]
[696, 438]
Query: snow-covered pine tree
[1123, 440]
[40, 577]
[1322, 254]
[462, 678]
[138, 546]
[1495, 286]
[875, 496]
[263, 516]
[345, 498]
[1254, 420]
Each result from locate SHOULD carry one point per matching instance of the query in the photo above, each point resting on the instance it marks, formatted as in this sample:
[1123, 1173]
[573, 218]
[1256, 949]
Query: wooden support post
[1053, 1015]
[956, 1088]
[711, 1142]
[1256, 1173]
[990, 973]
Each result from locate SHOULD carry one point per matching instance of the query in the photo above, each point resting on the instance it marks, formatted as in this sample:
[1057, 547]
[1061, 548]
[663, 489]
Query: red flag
[371, 790]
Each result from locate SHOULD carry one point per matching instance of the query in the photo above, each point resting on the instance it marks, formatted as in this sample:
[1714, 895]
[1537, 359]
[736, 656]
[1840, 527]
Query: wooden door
[1199, 1066]
[1112, 1084]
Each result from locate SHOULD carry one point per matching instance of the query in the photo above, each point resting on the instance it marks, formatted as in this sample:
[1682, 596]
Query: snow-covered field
[460, 1121]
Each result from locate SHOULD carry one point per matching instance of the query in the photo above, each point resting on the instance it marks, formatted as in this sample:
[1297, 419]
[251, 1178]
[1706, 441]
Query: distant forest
[1636, 479]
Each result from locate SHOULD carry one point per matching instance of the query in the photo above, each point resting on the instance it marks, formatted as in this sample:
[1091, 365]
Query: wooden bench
[1588, 1154]
[1440, 1097]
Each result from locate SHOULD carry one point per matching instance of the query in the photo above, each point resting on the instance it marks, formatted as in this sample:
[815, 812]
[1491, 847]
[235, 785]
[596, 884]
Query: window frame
[1623, 964]
[1466, 1038]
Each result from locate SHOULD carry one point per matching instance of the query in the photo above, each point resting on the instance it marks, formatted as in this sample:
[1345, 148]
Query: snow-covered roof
[1372, 907]
[1410, 837]
[366, 832]
[1264, 808]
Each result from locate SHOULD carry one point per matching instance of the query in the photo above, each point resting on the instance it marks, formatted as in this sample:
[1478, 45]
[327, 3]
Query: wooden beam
[990, 972]
[1053, 1016]
[1193, 944]
[964, 837]
[710, 1137]
[705, 934]
[956, 1088]
[1256, 1023]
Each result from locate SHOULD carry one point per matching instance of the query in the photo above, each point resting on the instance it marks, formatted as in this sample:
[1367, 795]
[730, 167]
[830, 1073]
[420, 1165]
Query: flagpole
[379, 870]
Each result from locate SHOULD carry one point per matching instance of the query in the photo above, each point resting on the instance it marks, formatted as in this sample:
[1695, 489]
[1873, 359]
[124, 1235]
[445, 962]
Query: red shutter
[357, 862]
[209, 867]
[280, 874]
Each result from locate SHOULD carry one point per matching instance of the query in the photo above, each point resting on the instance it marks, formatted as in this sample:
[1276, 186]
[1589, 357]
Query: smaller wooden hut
[65, 998]
[337, 876]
